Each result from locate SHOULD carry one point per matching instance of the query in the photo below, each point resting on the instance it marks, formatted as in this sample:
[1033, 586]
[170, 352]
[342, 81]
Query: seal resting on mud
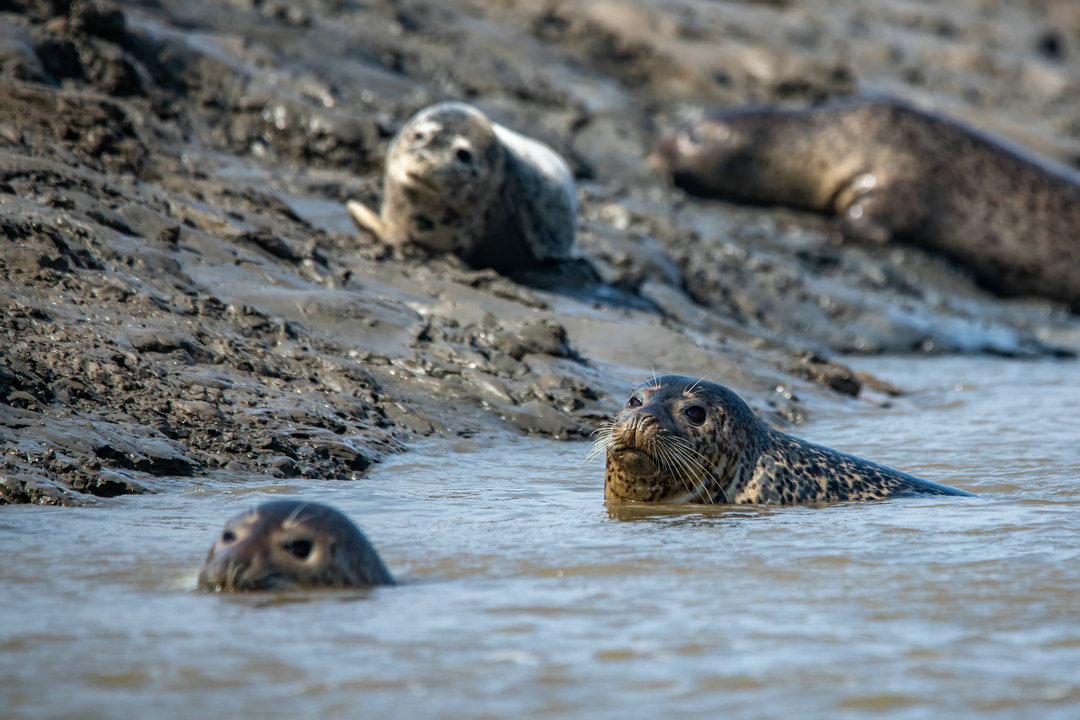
[456, 182]
[683, 440]
[890, 171]
[288, 544]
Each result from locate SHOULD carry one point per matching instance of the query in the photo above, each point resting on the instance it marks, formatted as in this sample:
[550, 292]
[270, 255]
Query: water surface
[524, 595]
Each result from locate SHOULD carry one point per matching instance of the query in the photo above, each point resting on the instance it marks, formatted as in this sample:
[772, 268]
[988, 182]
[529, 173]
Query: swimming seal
[893, 172]
[288, 544]
[683, 440]
[456, 182]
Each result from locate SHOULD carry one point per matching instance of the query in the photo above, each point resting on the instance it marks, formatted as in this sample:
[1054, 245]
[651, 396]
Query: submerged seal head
[288, 544]
[678, 440]
[683, 440]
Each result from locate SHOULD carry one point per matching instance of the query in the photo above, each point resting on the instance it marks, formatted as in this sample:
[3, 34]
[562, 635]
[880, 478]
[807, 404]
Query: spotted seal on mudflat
[288, 544]
[893, 172]
[456, 182]
[683, 440]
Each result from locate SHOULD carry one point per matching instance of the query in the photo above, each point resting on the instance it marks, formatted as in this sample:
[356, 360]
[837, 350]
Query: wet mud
[184, 298]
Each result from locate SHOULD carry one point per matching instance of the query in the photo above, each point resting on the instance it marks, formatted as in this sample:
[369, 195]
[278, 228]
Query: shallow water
[524, 595]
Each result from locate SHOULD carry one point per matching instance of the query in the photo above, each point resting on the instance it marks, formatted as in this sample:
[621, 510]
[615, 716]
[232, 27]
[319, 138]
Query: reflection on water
[524, 595]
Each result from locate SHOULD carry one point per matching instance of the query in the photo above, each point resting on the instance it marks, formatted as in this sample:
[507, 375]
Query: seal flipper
[365, 219]
[863, 219]
[855, 204]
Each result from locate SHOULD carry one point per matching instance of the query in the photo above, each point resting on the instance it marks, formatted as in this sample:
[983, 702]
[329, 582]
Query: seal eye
[464, 156]
[418, 136]
[696, 413]
[298, 548]
[633, 402]
[228, 536]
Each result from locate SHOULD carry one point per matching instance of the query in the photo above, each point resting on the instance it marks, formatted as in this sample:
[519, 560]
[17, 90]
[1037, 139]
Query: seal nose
[635, 429]
[222, 575]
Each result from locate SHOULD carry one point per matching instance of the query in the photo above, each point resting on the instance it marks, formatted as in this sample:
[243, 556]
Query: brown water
[525, 596]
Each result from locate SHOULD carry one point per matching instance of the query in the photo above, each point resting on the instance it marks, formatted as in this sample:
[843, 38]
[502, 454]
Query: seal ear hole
[464, 155]
[228, 536]
[298, 548]
[633, 402]
[696, 414]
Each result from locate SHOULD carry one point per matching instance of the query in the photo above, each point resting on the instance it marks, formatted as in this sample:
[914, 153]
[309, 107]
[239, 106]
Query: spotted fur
[893, 172]
[656, 452]
[457, 182]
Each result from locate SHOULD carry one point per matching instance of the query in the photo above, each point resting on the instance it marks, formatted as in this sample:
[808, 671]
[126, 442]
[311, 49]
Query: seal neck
[740, 473]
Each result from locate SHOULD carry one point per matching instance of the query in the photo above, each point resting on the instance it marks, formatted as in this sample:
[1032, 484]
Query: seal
[289, 544]
[893, 172]
[683, 440]
[456, 182]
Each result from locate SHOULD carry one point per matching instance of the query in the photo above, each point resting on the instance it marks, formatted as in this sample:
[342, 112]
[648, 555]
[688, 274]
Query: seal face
[683, 440]
[892, 172]
[457, 182]
[288, 544]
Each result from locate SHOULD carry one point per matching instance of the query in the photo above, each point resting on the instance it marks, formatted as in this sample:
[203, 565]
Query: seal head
[678, 439]
[445, 161]
[683, 440]
[455, 182]
[288, 544]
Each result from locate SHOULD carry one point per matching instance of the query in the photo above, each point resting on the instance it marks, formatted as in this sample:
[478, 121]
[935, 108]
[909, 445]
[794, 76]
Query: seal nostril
[228, 536]
[298, 548]
[464, 156]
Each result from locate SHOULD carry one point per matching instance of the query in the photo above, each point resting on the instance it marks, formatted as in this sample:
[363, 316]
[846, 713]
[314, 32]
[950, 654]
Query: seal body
[288, 544]
[893, 172]
[681, 440]
[456, 182]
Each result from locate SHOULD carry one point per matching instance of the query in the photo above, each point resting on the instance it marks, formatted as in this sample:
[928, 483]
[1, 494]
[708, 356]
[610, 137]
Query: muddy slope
[184, 299]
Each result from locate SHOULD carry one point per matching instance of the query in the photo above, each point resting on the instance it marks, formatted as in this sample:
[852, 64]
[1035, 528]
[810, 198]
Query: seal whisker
[672, 464]
[683, 442]
[700, 380]
[231, 575]
[290, 521]
[690, 463]
[272, 580]
[604, 440]
[602, 445]
[704, 464]
[687, 466]
[687, 453]
[667, 460]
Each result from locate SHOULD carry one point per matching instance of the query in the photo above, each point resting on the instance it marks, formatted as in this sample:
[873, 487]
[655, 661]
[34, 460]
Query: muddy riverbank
[183, 295]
